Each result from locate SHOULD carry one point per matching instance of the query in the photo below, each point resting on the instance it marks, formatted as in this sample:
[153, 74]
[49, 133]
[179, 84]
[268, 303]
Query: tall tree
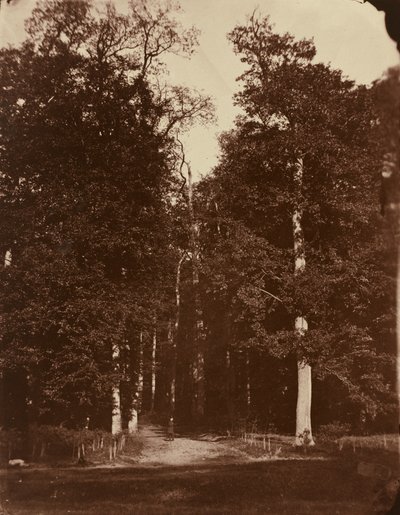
[86, 197]
[297, 170]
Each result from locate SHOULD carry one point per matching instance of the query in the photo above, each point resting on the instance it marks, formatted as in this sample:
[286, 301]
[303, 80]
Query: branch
[343, 379]
[183, 162]
[270, 294]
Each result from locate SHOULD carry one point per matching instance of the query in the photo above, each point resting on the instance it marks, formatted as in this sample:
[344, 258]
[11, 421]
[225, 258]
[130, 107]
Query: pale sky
[348, 34]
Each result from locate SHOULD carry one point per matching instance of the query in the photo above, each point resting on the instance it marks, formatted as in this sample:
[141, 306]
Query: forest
[261, 296]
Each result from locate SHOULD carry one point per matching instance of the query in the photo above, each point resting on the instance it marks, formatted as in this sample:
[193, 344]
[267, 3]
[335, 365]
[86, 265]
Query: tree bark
[304, 386]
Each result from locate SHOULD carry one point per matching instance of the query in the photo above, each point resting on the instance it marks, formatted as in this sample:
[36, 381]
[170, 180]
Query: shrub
[42, 443]
[333, 431]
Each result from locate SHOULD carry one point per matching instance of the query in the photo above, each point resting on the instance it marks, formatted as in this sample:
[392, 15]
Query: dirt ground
[184, 450]
[191, 475]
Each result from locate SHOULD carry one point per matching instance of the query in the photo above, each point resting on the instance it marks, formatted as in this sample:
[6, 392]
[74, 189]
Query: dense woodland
[127, 287]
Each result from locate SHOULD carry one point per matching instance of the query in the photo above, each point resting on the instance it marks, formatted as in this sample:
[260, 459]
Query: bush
[47, 443]
[333, 431]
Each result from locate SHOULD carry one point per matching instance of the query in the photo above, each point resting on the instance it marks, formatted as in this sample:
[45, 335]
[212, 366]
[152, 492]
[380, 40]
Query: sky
[347, 33]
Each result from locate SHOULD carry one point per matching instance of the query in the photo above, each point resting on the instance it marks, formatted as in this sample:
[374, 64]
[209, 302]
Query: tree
[86, 197]
[298, 168]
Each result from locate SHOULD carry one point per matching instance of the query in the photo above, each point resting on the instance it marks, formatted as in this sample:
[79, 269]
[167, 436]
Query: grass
[297, 486]
[383, 448]
[386, 442]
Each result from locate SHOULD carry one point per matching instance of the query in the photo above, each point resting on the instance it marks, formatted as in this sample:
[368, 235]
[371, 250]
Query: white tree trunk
[304, 380]
[153, 369]
[116, 425]
[116, 417]
[303, 409]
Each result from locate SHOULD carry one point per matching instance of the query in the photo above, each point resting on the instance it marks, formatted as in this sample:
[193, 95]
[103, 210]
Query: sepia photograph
[199, 257]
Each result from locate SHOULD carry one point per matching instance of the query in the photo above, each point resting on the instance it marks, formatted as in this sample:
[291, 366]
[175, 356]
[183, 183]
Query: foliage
[88, 170]
[333, 431]
[295, 107]
[95, 217]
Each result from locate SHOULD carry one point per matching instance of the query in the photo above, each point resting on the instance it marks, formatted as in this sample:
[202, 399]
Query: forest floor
[193, 475]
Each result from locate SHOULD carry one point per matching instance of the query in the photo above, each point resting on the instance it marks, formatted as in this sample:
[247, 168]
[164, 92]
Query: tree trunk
[248, 384]
[133, 421]
[303, 410]
[199, 377]
[7, 263]
[230, 387]
[153, 368]
[173, 335]
[398, 329]
[140, 373]
[229, 371]
[171, 391]
[136, 385]
[116, 423]
[198, 337]
[304, 380]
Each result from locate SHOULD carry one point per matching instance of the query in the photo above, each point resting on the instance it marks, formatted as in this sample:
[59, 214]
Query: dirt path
[185, 451]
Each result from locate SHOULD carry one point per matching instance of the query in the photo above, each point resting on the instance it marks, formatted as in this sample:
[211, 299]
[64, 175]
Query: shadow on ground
[280, 487]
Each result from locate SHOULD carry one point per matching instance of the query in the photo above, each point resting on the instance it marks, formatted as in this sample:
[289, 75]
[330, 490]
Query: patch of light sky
[348, 34]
